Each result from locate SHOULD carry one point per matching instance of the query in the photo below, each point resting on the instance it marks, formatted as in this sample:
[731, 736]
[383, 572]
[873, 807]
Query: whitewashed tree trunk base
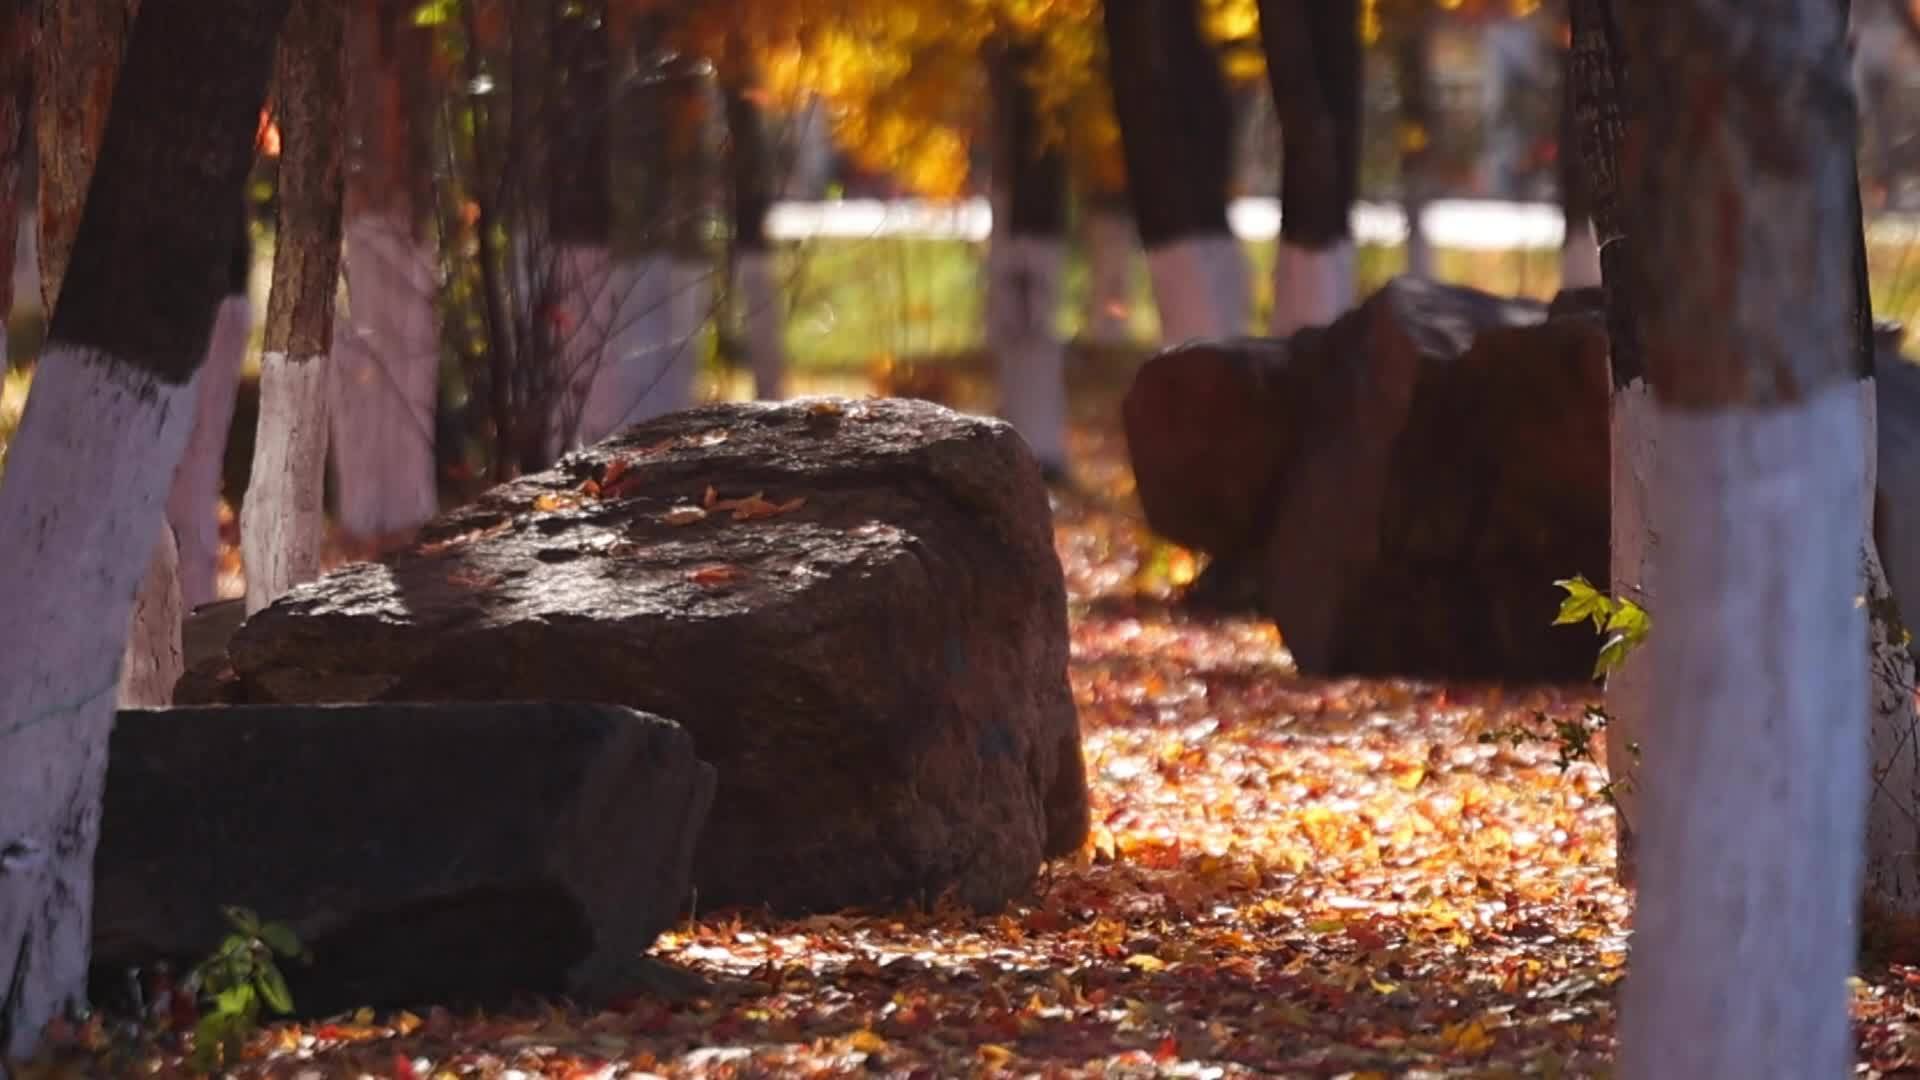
[1311, 287]
[1110, 242]
[589, 290]
[1579, 257]
[765, 317]
[1633, 543]
[1023, 296]
[193, 506]
[154, 661]
[283, 522]
[386, 379]
[74, 561]
[1419, 246]
[654, 352]
[1753, 782]
[1200, 285]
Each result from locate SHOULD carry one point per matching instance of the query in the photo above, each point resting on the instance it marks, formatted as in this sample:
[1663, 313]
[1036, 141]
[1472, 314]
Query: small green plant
[1623, 625]
[240, 976]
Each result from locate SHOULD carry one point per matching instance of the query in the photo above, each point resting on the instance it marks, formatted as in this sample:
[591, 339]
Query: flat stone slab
[424, 853]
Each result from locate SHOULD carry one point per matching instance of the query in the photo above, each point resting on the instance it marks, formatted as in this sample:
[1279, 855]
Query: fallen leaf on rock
[716, 574]
[684, 515]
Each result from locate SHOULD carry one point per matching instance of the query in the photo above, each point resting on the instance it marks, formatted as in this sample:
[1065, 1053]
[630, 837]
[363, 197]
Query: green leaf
[1612, 654]
[281, 939]
[235, 1001]
[434, 12]
[1583, 602]
[273, 988]
[1630, 619]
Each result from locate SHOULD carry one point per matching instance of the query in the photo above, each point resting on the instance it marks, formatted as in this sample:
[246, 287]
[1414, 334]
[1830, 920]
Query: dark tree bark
[16, 104]
[89, 468]
[1176, 121]
[1313, 67]
[1597, 77]
[750, 171]
[76, 63]
[1419, 118]
[579, 206]
[310, 104]
[1029, 173]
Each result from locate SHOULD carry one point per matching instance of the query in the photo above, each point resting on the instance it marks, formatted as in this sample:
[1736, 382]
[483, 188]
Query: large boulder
[855, 608]
[1398, 490]
[423, 853]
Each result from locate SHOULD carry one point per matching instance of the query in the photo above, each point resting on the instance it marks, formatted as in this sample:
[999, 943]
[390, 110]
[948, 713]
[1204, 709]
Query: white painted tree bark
[591, 289]
[653, 352]
[283, 520]
[1200, 286]
[765, 318]
[86, 482]
[385, 388]
[193, 507]
[1579, 257]
[1754, 868]
[1110, 241]
[1023, 294]
[1311, 286]
[1633, 541]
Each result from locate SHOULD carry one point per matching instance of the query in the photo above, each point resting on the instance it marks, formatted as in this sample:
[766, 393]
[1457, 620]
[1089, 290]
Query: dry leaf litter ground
[1287, 877]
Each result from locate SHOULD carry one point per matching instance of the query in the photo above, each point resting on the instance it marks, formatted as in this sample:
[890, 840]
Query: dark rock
[423, 853]
[878, 670]
[1385, 366]
[1499, 488]
[1399, 490]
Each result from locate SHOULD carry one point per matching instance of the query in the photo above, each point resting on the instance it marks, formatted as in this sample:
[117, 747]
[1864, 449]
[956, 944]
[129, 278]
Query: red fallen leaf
[1167, 1051]
[403, 1067]
[616, 469]
[715, 574]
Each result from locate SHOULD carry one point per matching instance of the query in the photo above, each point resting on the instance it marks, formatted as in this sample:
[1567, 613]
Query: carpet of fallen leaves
[1286, 876]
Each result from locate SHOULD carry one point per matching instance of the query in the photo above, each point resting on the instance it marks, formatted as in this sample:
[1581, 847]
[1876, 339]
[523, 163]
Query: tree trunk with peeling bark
[1176, 132]
[1313, 68]
[283, 522]
[89, 467]
[1754, 799]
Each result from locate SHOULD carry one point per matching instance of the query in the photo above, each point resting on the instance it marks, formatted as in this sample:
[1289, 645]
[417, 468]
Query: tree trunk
[1597, 75]
[76, 63]
[1579, 251]
[193, 508]
[580, 216]
[1313, 66]
[1024, 258]
[1108, 236]
[1750, 865]
[757, 293]
[1413, 77]
[90, 465]
[386, 351]
[1176, 127]
[283, 522]
[16, 102]
[663, 287]
[74, 95]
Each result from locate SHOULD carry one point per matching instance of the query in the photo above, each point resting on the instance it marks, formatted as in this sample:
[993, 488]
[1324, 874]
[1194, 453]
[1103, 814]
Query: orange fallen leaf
[715, 574]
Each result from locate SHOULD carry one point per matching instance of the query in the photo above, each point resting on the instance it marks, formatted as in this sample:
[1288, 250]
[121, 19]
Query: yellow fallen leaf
[1470, 1037]
[1409, 778]
[994, 1054]
[684, 515]
[406, 1023]
[867, 1041]
[1145, 962]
